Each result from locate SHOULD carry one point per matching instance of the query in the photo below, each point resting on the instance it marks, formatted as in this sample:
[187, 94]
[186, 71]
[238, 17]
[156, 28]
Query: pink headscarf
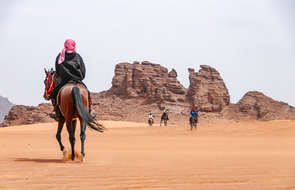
[69, 46]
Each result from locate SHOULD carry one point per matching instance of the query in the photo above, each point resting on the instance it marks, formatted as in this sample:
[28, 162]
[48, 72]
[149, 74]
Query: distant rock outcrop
[22, 115]
[207, 89]
[147, 80]
[5, 106]
[258, 106]
[140, 88]
[255, 105]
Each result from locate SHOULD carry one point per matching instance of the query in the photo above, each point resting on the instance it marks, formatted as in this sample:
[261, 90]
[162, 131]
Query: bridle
[49, 84]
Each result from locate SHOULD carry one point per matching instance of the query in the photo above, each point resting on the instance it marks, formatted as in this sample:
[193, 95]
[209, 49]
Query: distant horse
[150, 121]
[164, 118]
[193, 122]
[73, 105]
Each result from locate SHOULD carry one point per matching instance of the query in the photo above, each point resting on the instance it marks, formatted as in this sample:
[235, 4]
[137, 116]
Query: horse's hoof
[83, 159]
[64, 152]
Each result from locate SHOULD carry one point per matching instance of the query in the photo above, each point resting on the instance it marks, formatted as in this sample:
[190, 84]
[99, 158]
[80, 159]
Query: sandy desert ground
[237, 156]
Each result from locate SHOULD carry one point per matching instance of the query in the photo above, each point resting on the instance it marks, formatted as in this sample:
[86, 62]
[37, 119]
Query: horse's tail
[83, 112]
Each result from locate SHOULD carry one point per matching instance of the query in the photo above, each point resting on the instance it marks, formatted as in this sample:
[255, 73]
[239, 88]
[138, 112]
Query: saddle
[193, 118]
[58, 100]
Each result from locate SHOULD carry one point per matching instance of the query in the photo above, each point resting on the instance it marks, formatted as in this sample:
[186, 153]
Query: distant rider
[165, 112]
[151, 116]
[194, 112]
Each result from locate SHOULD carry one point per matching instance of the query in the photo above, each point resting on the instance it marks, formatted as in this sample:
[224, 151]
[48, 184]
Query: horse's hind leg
[82, 136]
[71, 126]
[58, 137]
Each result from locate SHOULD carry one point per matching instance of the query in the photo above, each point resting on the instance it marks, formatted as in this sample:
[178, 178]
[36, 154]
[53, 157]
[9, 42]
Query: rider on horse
[69, 67]
[151, 115]
[166, 110]
[194, 112]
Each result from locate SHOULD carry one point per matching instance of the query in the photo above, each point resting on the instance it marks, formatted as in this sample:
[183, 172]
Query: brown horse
[73, 105]
[164, 118]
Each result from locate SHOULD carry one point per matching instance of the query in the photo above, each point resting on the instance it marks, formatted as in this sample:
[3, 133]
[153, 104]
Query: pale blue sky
[251, 43]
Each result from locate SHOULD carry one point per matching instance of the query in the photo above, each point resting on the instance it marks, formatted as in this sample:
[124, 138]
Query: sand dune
[244, 156]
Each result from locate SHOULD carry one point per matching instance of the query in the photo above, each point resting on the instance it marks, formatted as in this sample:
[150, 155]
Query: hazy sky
[250, 42]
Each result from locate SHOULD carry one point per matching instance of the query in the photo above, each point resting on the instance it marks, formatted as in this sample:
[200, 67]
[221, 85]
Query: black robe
[71, 69]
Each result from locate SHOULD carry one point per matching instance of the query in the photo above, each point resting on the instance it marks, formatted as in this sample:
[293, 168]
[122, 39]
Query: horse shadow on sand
[39, 160]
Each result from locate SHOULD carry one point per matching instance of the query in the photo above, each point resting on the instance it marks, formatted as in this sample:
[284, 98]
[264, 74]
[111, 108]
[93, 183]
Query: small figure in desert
[193, 117]
[164, 117]
[150, 119]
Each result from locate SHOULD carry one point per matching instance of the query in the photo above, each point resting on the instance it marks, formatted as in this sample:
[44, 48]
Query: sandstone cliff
[255, 105]
[21, 115]
[147, 80]
[139, 88]
[207, 89]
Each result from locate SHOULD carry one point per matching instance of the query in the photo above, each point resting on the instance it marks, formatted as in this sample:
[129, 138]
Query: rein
[49, 86]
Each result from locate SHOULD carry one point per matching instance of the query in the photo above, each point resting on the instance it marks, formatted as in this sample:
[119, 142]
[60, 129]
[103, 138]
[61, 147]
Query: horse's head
[49, 83]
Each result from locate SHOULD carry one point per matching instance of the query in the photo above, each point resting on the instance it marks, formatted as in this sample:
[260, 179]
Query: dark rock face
[258, 106]
[147, 80]
[5, 106]
[207, 89]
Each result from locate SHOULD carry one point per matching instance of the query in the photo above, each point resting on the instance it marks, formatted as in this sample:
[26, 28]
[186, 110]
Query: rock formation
[21, 115]
[207, 90]
[258, 106]
[147, 80]
[139, 88]
[5, 106]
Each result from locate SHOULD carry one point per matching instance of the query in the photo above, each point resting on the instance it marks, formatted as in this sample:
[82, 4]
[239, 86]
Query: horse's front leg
[82, 136]
[58, 136]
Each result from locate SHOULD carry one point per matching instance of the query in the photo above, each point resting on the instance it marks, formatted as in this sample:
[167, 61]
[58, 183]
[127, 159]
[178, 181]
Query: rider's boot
[56, 114]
